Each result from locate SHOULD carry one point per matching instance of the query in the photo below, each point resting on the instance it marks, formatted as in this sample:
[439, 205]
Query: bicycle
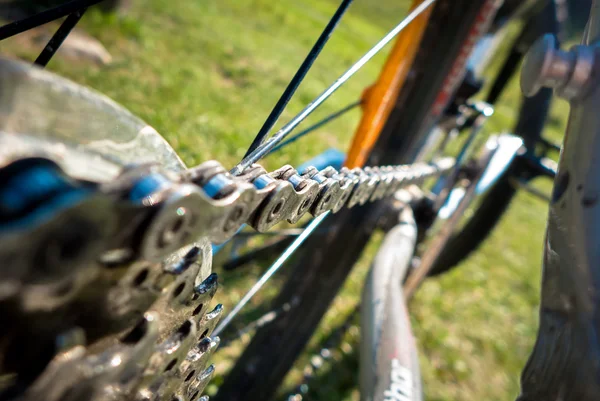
[97, 281]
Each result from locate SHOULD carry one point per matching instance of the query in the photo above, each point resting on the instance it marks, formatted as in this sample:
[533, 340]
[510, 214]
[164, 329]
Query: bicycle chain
[83, 262]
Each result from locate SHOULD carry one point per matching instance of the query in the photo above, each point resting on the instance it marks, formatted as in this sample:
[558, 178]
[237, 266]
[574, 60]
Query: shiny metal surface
[568, 72]
[166, 353]
[564, 362]
[124, 244]
[503, 150]
[270, 143]
[88, 134]
[462, 195]
[389, 363]
[481, 112]
[270, 271]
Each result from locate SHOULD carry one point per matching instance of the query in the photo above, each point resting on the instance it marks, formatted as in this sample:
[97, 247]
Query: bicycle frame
[389, 355]
[564, 364]
[389, 361]
[565, 361]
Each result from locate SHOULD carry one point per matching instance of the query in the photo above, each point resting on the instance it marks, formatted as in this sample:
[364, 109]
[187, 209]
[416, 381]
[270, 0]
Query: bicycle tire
[34, 373]
[388, 148]
[316, 277]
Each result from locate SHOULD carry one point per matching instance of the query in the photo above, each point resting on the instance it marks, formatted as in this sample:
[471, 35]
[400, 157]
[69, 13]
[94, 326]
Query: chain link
[219, 203]
[148, 276]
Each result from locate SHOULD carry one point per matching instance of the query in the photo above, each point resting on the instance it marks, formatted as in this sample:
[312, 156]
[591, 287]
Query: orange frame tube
[378, 100]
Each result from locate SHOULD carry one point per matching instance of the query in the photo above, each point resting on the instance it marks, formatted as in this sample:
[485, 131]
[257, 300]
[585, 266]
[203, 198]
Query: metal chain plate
[83, 263]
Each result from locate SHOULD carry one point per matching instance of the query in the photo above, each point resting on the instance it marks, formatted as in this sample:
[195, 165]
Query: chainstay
[136, 252]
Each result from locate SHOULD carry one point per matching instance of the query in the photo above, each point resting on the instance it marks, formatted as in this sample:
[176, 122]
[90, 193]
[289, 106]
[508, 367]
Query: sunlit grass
[206, 73]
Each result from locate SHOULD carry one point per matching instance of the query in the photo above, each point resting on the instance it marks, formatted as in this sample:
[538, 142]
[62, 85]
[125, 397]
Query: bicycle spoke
[288, 232]
[269, 144]
[269, 273]
[324, 352]
[266, 250]
[59, 36]
[315, 126]
[270, 248]
[259, 323]
[298, 77]
[14, 28]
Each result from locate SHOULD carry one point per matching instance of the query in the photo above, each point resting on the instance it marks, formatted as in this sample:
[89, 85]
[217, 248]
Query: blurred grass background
[206, 73]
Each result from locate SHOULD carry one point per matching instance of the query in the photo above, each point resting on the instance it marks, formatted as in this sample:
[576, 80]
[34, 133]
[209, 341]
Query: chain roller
[136, 253]
[219, 203]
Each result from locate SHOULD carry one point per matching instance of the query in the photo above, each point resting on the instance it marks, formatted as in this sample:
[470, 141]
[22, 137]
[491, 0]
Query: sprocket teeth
[210, 320]
[200, 382]
[203, 295]
[190, 369]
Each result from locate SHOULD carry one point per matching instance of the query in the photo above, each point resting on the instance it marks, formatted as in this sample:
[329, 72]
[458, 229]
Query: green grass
[206, 73]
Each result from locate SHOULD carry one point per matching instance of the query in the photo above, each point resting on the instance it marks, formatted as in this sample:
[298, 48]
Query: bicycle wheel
[453, 25]
[68, 323]
[318, 275]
